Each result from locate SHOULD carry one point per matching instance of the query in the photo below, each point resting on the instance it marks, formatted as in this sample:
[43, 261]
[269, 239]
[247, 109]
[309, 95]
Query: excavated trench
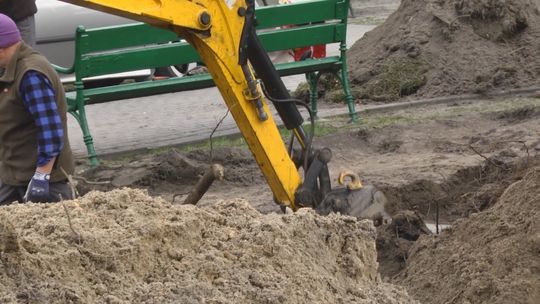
[481, 205]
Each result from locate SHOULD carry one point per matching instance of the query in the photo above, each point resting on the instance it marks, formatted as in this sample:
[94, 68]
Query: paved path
[170, 119]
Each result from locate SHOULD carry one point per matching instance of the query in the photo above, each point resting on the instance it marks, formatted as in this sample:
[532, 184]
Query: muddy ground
[427, 148]
[437, 164]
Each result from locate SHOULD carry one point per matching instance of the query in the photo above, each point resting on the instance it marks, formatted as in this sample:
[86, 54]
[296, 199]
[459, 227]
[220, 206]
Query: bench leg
[345, 83]
[80, 116]
[349, 99]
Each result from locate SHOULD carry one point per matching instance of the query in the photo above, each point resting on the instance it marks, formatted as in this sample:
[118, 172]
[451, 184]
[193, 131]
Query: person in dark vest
[34, 146]
[22, 12]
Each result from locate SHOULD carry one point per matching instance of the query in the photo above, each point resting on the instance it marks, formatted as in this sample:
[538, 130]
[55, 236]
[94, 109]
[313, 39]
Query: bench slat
[181, 52]
[123, 36]
[177, 84]
[137, 59]
[139, 89]
[311, 65]
[300, 13]
[296, 37]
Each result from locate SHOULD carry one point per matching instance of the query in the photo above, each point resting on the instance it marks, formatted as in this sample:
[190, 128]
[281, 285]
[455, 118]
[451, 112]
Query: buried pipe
[214, 172]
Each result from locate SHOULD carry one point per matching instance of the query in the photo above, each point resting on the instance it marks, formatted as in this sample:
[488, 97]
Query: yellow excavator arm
[223, 33]
[214, 28]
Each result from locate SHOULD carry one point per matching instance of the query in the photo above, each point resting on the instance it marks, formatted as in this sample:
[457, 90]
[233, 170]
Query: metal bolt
[204, 19]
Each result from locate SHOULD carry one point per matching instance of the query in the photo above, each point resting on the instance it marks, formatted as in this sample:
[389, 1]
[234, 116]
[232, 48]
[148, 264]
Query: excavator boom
[216, 29]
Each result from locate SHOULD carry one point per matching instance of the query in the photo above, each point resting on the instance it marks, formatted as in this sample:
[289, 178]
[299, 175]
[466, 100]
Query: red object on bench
[317, 51]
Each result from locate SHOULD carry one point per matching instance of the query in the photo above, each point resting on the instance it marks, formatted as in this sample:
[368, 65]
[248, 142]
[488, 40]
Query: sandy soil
[126, 247]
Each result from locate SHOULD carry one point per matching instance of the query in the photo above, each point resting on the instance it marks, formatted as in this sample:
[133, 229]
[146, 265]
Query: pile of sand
[432, 48]
[490, 257]
[126, 247]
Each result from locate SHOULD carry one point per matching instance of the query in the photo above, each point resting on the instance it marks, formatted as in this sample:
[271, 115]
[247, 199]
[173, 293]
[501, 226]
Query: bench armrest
[63, 70]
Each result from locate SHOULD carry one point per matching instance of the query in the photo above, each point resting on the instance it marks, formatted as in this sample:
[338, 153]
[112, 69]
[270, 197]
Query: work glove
[38, 188]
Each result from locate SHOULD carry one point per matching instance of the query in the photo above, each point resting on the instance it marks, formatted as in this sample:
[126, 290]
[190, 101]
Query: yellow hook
[354, 182]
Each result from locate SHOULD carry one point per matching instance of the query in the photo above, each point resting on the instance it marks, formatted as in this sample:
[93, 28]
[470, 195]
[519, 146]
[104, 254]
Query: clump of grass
[302, 92]
[328, 82]
[399, 76]
[335, 96]
[220, 141]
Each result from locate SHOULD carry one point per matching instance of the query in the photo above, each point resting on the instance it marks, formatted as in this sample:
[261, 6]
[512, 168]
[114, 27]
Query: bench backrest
[108, 50]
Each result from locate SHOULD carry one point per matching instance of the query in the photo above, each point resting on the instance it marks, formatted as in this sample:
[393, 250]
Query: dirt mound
[491, 257]
[172, 171]
[432, 48]
[125, 247]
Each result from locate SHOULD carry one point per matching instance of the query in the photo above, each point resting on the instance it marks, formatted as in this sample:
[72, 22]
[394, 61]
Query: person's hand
[198, 70]
[38, 188]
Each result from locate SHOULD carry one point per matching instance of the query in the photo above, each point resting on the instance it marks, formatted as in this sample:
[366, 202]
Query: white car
[56, 23]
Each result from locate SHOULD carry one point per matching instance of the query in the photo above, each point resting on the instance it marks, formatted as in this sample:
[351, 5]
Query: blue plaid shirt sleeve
[39, 98]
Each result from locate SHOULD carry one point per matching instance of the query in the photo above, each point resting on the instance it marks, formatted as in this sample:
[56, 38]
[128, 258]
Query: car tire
[97, 83]
[172, 71]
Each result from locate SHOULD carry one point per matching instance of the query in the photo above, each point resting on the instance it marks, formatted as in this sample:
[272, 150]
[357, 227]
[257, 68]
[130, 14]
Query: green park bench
[109, 50]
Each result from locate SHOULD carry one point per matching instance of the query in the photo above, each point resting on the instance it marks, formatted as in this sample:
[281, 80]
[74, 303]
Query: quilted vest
[18, 133]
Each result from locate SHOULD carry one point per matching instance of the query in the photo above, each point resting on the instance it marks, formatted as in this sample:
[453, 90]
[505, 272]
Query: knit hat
[9, 33]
